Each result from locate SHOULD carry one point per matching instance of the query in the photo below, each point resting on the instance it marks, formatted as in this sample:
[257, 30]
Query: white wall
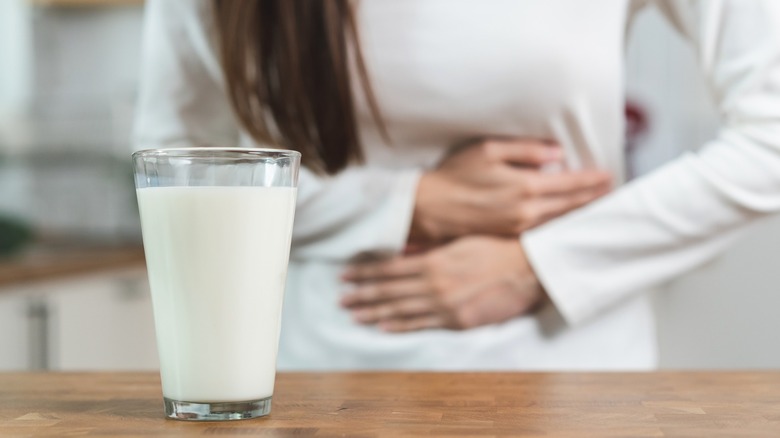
[68, 81]
[86, 67]
[15, 80]
[723, 315]
[15, 60]
[15, 90]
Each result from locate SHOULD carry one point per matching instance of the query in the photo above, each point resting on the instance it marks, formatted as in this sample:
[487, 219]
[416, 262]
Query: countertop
[45, 262]
[690, 404]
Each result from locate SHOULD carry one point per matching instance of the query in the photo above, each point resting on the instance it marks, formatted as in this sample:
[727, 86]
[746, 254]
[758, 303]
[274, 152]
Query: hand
[472, 281]
[498, 187]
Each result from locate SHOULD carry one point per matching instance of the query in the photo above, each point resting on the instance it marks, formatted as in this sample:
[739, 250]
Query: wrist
[423, 228]
[534, 291]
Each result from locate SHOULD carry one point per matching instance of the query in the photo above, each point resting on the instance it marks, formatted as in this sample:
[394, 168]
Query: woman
[470, 95]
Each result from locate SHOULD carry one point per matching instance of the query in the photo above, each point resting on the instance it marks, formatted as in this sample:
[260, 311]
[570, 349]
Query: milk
[217, 260]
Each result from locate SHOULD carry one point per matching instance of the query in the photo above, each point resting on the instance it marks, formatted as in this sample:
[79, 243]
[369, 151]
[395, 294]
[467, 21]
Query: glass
[216, 226]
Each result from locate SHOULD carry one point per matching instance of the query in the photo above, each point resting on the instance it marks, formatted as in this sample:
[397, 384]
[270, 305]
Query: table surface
[692, 404]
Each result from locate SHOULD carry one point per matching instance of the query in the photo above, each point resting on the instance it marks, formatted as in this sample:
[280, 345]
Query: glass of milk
[216, 225]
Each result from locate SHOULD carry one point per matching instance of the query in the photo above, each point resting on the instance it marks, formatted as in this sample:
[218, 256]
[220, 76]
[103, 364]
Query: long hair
[287, 69]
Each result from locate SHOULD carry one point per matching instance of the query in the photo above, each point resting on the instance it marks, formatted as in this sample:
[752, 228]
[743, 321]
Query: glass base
[217, 411]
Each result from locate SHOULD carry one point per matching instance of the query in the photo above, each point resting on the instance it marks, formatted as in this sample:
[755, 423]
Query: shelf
[85, 3]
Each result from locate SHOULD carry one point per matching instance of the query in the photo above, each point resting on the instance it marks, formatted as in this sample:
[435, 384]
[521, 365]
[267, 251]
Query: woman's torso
[445, 72]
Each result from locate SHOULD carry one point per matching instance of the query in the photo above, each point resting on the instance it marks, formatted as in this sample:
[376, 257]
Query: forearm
[499, 188]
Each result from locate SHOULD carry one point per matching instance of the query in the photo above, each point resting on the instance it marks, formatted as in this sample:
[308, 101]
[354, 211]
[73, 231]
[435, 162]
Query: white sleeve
[689, 210]
[183, 102]
[359, 210]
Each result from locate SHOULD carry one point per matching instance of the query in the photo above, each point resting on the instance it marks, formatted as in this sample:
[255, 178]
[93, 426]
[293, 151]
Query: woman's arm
[689, 210]
[645, 233]
[183, 103]
[362, 209]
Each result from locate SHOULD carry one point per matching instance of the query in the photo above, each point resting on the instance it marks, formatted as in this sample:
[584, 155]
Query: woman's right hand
[499, 187]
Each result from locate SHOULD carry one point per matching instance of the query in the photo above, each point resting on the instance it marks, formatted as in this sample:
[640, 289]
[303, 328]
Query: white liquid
[217, 260]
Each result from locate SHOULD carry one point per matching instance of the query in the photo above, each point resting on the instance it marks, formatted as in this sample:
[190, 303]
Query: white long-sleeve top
[448, 70]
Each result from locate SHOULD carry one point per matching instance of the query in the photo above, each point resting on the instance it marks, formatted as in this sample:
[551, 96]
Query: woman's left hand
[470, 282]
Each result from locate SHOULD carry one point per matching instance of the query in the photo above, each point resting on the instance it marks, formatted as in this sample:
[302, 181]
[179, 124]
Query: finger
[396, 309]
[417, 248]
[402, 266]
[525, 153]
[421, 322]
[548, 207]
[370, 293]
[543, 184]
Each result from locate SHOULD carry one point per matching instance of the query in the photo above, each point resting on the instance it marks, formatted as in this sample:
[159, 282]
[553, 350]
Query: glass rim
[195, 151]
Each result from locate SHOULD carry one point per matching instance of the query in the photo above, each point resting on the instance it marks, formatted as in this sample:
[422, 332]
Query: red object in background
[637, 125]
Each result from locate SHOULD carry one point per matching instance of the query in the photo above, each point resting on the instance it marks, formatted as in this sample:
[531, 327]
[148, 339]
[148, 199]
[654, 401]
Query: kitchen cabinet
[14, 330]
[100, 321]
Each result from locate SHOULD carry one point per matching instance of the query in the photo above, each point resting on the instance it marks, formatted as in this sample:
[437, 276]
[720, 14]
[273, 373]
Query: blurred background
[73, 291]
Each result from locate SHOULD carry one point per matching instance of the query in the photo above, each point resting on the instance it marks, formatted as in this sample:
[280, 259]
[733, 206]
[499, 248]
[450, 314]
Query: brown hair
[287, 69]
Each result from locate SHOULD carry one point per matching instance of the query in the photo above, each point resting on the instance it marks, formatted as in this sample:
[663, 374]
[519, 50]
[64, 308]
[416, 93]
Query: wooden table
[688, 404]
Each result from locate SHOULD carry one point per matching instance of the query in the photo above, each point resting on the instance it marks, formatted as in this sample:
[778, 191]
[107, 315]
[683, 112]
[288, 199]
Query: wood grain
[680, 404]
